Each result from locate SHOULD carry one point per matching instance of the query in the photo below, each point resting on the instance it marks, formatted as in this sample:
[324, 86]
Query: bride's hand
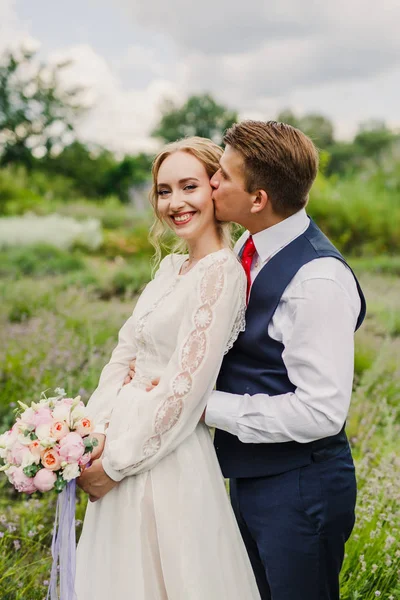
[131, 372]
[98, 450]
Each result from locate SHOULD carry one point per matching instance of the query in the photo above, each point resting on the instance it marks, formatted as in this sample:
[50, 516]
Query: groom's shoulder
[325, 268]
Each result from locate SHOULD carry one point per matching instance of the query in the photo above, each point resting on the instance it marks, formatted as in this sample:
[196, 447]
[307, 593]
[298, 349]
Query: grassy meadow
[60, 313]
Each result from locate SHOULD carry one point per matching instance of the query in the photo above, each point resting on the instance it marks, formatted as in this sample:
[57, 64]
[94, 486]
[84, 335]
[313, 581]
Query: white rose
[61, 413]
[48, 442]
[43, 431]
[24, 440]
[71, 471]
[78, 413]
[29, 459]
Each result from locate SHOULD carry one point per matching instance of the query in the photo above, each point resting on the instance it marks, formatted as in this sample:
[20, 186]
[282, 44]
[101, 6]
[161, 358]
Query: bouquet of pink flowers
[47, 449]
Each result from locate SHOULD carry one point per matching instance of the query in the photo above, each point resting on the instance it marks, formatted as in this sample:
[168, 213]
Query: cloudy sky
[338, 58]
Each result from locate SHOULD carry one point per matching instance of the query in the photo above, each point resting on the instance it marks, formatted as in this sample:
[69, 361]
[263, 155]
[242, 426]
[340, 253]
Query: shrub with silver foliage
[56, 230]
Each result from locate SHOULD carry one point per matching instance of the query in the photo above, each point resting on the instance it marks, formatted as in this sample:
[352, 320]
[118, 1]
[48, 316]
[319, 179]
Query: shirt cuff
[100, 428]
[222, 411]
[112, 473]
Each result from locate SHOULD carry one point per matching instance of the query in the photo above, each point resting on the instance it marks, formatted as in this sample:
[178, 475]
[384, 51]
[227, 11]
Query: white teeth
[182, 219]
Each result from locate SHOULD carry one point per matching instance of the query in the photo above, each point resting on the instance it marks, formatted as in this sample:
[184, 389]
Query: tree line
[38, 118]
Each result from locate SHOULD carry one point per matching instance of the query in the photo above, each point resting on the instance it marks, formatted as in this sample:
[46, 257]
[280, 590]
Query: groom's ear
[259, 201]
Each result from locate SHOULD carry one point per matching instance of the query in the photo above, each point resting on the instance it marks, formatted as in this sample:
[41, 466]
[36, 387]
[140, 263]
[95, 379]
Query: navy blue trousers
[295, 526]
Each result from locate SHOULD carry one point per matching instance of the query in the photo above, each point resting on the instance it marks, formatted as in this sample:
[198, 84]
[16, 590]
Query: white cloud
[119, 118]
[254, 55]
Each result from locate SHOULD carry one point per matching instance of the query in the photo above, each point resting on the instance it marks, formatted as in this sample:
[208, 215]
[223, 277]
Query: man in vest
[284, 389]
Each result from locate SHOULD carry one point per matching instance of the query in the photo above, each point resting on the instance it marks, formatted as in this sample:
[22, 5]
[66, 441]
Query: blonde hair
[209, 154]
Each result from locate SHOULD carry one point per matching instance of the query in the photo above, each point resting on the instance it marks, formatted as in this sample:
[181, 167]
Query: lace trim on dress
[191, 357]
[240, 321]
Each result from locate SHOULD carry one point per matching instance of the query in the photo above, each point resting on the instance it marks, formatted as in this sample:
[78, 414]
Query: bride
[160, 525]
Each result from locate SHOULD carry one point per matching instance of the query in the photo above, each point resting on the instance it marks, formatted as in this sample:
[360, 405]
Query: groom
[284, 389]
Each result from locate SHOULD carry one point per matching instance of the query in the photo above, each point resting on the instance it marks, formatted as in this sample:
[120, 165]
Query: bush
[37, 261]
[360, 218]
[128, 242]
[36, 191]
[386, 265]
[128, 280]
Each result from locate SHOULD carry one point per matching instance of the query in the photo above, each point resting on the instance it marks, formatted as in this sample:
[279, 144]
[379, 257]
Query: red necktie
[249, 250]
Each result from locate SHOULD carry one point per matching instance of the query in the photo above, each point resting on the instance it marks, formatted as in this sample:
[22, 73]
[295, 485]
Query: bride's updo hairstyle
[209, 154]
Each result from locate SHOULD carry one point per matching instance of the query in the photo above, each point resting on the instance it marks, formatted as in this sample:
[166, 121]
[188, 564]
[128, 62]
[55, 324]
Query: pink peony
[84, 427]
[84, 459]
[51, 460]
[21, 482]
[44, 480]
[59, 430]
[28, 417]
[42, 416]
[72, 447]
[11, 436]
[16, 454]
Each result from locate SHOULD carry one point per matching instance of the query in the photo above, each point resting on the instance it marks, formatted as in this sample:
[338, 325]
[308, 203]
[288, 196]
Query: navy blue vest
[254, 365]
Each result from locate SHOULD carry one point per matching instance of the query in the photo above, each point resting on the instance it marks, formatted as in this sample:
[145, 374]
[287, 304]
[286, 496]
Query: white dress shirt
[315, 321]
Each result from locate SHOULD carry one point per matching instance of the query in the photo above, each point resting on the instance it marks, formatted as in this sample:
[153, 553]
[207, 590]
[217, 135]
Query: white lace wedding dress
[167, 530]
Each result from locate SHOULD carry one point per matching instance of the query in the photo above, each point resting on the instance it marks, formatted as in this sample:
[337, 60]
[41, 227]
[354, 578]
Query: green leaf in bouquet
[31, 470]
[33, 436]
[60, 484]
[90, 443]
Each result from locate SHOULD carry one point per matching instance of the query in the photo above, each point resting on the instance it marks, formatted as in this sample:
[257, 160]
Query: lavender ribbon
[63, 548]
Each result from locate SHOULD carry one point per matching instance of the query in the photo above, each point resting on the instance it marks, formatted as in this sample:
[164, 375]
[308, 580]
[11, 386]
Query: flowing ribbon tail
[63, 547]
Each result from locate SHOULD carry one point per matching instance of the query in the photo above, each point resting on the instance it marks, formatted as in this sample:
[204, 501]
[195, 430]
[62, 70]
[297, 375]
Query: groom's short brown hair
[279, 159]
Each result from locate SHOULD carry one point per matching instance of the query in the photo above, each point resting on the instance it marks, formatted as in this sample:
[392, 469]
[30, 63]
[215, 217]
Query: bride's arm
[146, 426]
[112, 377]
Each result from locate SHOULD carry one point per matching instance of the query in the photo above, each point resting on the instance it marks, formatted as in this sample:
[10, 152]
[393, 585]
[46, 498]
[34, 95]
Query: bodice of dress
[179, 331]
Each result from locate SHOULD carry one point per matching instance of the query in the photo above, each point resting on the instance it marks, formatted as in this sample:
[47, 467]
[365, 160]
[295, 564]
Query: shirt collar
[269, 241]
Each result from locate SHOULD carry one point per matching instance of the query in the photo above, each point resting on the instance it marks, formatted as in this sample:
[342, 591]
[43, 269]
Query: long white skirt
[167, 534]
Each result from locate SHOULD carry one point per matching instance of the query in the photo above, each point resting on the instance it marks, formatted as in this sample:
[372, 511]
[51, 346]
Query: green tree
[318, 127]
[373, 138]
[36, 111]
[88, 168]
[132, 170]
[200, 115]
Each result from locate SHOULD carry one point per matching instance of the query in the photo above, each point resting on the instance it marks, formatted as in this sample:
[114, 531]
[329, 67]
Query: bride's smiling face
[184, 196]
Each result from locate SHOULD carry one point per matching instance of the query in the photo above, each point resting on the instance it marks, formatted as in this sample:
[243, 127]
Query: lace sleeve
[101, 402]
[146, 426]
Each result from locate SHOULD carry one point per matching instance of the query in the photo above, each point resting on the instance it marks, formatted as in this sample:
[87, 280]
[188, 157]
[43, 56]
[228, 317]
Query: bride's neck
[204, 245]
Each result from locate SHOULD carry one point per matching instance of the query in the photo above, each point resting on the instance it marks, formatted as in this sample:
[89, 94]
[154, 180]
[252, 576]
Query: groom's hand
[95, 481]
[132, 373]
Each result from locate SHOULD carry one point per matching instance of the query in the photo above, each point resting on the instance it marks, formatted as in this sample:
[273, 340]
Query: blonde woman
[161, 526]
